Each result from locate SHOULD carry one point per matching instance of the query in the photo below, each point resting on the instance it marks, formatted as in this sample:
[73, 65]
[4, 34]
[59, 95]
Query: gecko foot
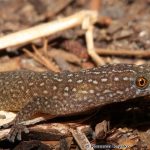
[15, 132]
[7, 125]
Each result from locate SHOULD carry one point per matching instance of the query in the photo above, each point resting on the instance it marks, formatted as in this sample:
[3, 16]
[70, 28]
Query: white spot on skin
[66, 94]
[103, 71]
[64, 108]
[58, 79]
[134, 95]
[113, 70]
[38, 103]
[110, 95]
[116, 79]
[129, 65]
[125, 78]
[41, 84]
[131, 87]
[45, 92]
[141, 67]
[83, 70]
[114, 94]
[138, 92]
[94, 69]
[35, 94]
[30, 84]
[89, 72]
[48, 106]
[91, 91]
[70, 75]
[90, 100]
[54, 87]
[71, 106]
[55, 97]
[66, 89]
[16, 77]
[106, 91]
[96, 73]
[104, 66]
[74, 89]
[22, 87]
[70, 80]
[101, 97]
[56, 75]
[127, 89]
[79, 81]
[14, 96]
[45, 76]
[98, 94]
[20, 82]
[80, 99]
[46, 102]
[65, 102]
[85, 98]
[119, 92]
[56, 105]
[104, 79]
[90, 80]
[95, 82]
[115, 100]
[84, 92]
[27, 91]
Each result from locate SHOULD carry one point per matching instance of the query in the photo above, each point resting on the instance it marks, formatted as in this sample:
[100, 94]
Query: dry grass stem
[46, 29]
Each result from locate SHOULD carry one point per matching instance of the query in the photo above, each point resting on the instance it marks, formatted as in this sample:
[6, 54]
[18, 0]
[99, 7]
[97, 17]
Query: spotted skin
[68, 93]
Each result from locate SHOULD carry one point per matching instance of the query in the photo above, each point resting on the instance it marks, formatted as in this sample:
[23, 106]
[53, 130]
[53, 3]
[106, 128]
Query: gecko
[69, 93]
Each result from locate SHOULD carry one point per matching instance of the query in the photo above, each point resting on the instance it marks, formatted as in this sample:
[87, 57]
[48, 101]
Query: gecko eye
[141, 82]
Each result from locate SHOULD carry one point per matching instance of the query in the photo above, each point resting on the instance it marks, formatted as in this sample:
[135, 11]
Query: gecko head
[141, 80]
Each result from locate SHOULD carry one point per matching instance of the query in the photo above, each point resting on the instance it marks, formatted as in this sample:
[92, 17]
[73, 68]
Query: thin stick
[41, 59]
[87, 25]
[136, 53]
[46, 29]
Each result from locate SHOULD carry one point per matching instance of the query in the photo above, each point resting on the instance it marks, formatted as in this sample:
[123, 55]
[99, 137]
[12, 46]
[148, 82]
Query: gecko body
[67, 93]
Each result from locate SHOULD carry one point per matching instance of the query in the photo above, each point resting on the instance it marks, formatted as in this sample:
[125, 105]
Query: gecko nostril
[141, 82]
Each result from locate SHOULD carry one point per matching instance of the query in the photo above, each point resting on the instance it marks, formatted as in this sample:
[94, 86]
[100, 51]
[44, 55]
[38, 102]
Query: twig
[45, 46]
[87, 25]
[46, 29]
[136, 53]
[41, 59]
[84, 18]
[81, 139]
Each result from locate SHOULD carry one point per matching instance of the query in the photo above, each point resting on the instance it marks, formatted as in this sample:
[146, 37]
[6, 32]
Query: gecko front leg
[29, 110]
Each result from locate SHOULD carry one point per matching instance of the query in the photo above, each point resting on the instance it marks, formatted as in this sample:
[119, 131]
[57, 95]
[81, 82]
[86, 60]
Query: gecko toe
[7, 125]
[15, 132]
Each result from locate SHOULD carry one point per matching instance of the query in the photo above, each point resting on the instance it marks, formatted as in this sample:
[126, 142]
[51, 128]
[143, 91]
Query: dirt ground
[121, 34]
